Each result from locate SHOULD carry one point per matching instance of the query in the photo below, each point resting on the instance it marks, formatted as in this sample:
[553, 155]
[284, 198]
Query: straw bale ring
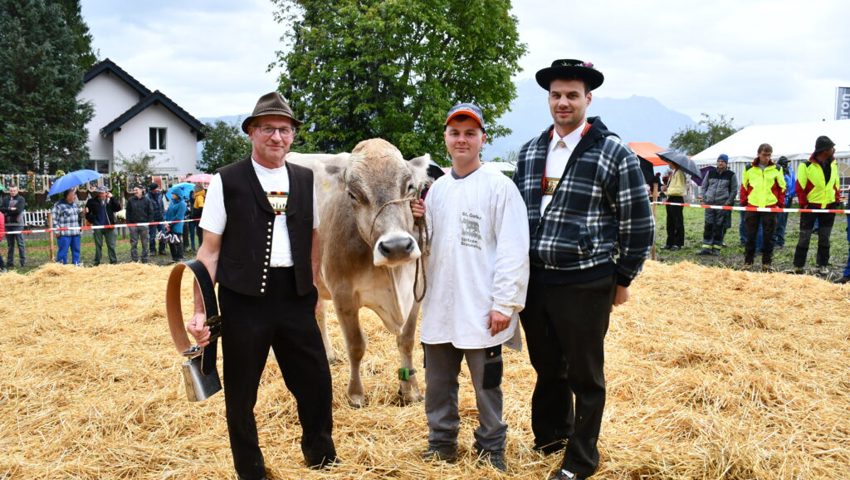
[699, 387]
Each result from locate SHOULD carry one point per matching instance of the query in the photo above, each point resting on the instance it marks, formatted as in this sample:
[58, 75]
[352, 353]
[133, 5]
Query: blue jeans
[781, 226]
[64, 242]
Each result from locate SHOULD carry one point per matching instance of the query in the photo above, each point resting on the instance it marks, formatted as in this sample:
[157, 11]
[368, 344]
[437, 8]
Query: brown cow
[369, 248]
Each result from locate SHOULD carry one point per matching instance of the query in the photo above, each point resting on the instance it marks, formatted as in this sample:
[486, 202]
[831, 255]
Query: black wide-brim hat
[271, 103]
[570, 68]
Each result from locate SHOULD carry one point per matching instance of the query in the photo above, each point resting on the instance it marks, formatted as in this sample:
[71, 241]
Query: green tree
[223, 145]
[140, 164]
[44, 52]
[357, 69]
[707, 132]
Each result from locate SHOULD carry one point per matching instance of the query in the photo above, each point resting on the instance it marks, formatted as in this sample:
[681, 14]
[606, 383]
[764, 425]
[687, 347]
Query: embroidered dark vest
[246, 243]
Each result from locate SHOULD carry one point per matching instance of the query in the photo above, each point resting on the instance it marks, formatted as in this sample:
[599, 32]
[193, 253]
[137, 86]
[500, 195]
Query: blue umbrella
[183, 190]
[71, 180]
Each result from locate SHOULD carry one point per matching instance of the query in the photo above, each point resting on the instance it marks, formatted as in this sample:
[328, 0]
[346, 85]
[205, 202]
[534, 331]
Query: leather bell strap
[174, 311]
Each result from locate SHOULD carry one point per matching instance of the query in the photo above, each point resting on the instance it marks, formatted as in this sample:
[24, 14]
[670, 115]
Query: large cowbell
[199, 386]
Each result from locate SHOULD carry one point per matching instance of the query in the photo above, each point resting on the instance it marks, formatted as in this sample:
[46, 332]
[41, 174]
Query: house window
[157, 138]
[100, 166]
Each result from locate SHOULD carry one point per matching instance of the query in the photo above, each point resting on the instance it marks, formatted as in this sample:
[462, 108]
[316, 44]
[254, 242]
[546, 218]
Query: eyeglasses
[268, 131]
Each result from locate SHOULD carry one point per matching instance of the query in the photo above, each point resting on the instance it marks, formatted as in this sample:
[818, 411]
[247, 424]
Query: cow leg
[321, 315]
[409, 389]
[355, 341]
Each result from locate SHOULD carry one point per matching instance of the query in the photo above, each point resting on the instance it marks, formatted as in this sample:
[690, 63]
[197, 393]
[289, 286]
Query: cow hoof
[409, 397]
[356, 401]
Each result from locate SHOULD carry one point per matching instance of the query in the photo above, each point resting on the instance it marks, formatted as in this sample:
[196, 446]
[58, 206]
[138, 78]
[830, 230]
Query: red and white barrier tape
[100, 227]
[756, 209]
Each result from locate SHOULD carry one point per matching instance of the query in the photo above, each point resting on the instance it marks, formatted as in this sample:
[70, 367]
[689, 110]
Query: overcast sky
[759, 62]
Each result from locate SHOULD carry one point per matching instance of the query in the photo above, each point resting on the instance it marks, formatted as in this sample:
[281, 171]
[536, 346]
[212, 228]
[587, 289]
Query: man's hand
[497, 322]
[197, 328]
[621, 296]
[417, 207]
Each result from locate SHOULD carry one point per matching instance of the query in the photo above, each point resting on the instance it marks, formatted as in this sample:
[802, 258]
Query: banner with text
[842, 103]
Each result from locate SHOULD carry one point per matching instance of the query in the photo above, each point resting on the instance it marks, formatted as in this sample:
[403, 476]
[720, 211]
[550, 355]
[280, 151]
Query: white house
[129, 120]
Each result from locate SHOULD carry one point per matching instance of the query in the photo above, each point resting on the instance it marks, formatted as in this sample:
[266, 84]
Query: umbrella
[183, 189]
[71, 180]
[199, 178]
[683, 161]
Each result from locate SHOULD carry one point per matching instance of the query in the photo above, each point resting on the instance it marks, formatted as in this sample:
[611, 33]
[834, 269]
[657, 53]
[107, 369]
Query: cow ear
[419, 168]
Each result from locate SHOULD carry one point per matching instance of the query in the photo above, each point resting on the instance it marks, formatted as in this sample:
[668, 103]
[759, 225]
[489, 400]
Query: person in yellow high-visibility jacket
[817, 187]
[763, 186]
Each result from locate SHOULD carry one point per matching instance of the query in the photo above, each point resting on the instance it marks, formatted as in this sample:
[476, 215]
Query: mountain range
[634, 119]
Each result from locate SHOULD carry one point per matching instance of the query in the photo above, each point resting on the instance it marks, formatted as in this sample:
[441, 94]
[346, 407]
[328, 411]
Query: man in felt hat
[261, 246]
[818, 184]
[591, 230]
[100, 213]
[719, 187]
[480, 240]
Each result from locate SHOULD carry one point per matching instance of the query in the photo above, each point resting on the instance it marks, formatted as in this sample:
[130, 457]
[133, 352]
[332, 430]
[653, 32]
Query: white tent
[793, 140]
[796, 141]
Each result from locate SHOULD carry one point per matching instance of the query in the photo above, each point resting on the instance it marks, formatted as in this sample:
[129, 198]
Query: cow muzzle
[393, 249]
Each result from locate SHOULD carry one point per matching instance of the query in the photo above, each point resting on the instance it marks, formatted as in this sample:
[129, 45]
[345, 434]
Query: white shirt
[479, 258]
[556, 159]
[214, 217]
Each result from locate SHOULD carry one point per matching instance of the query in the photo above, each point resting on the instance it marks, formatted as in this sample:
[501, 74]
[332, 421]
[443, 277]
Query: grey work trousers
[139, 234]
[442, 366]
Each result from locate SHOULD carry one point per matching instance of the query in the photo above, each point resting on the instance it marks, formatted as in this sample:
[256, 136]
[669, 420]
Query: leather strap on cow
[174, 312]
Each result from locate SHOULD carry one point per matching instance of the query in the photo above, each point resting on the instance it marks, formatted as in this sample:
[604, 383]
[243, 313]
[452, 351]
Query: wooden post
[654, 199]
[50, 228]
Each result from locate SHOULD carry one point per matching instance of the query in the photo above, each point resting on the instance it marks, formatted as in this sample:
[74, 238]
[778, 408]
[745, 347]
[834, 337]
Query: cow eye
[351, 195]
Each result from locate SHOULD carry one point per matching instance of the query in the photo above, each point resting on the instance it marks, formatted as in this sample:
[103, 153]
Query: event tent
[796, 141]
[793, 140]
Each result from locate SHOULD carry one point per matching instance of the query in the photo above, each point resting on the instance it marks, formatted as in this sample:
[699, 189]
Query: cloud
[757, 61]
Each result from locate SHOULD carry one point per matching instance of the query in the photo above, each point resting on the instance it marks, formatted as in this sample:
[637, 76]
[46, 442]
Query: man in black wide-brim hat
[591, 230]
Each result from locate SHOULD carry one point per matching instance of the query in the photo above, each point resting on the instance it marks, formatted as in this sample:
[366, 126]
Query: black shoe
[706, 251]
[551, 447]
[494, 458]
[563, 474]
[444, 453]
[843, 280]
[668, 247]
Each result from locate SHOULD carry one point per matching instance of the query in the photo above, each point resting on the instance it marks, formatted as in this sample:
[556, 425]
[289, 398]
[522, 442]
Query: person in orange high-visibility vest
[763, 186]
[817, 187]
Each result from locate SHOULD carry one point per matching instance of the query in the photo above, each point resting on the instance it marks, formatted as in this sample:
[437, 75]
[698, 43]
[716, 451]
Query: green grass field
[732, 256]
[38, 251]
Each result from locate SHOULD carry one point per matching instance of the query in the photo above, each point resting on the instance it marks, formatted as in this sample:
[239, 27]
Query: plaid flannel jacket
[66, 215]
[599, 214]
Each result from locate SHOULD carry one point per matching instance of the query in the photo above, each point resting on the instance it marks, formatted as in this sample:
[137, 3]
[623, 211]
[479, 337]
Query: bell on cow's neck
[198, 385]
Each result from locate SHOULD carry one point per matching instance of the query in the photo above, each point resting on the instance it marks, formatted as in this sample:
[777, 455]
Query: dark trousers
[152, 231]
[675, 223]
[565, 327]
[286, 323]
[825, 221]
[752, 222]
[11, 241]
[176, 250]
[715, 227]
